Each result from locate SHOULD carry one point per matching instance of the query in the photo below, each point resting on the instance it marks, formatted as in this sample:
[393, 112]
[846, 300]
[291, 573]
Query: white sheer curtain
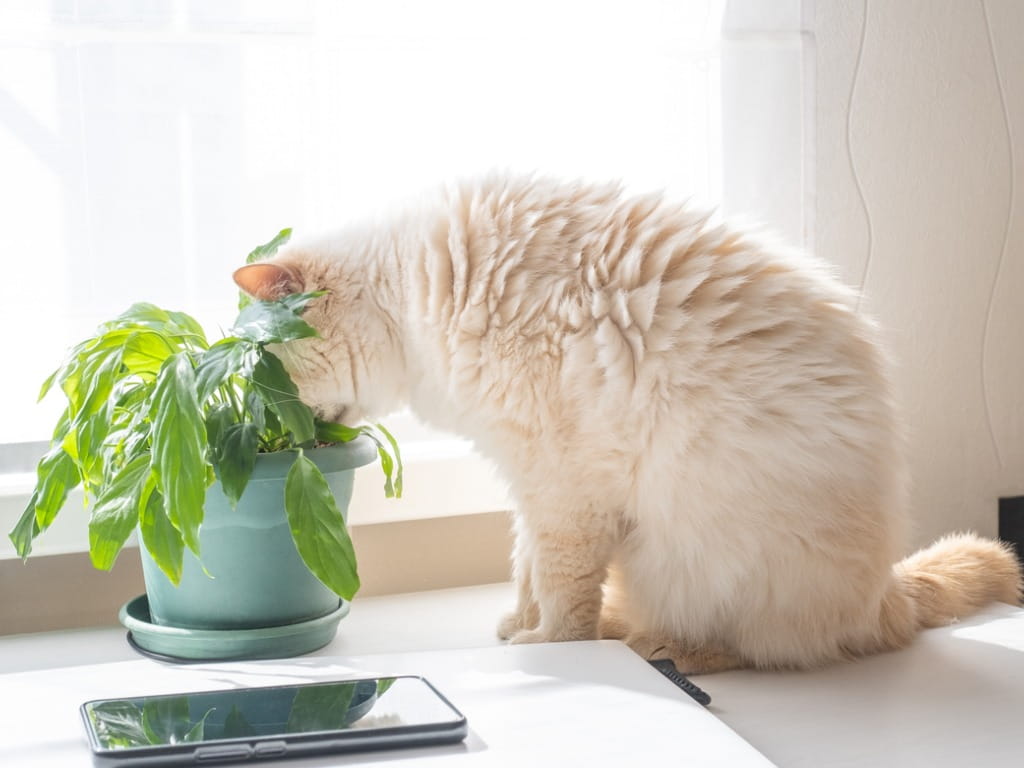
[146, 145]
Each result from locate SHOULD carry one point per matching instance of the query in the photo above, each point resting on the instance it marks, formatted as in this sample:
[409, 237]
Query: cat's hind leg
[689, 660]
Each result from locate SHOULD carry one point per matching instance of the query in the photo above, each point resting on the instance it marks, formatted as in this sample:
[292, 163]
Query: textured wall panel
[930, 224]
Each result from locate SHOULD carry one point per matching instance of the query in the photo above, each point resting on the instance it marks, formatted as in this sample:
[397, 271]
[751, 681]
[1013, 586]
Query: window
[147, 145]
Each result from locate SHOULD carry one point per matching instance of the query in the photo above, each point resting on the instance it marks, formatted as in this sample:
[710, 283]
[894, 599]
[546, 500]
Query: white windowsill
[443, 478]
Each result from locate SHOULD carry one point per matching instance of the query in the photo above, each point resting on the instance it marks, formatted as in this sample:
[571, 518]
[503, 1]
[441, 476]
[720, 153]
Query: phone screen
[283, 712]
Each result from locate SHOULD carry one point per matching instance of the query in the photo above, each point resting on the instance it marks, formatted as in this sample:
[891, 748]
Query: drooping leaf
[56, 475]
[392, 480]
[88, 386]
[280, 395]
[236, 459]
[318, 528]
[48, 383]
[82, 443]
[162, 540]
[26, 529]
[117, 511]
[271, 322]
[179, 447]
[89, 390]
[397, 456]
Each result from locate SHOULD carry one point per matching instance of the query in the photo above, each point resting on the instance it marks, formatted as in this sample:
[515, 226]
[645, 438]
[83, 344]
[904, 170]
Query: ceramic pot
[251, 574]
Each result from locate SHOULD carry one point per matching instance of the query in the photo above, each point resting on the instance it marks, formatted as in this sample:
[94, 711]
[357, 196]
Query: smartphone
[274, 722]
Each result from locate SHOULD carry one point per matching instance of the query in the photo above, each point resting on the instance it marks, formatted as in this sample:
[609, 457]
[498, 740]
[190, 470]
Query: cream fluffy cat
[697, 427]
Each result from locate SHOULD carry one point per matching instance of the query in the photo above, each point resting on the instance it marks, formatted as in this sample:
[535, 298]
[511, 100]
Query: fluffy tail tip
[959, 574]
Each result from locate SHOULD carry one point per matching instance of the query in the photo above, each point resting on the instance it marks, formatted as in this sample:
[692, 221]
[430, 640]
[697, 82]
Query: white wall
[911, 129]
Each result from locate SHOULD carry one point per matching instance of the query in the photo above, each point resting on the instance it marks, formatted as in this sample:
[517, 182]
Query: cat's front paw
[524, 636]
[513, 623]
[560, 635]
[510, 625]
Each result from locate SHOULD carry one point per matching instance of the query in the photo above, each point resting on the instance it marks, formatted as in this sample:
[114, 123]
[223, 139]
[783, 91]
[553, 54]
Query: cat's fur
[697, 427]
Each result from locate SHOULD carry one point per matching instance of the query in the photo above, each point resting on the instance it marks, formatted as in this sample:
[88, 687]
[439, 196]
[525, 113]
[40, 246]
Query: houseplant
[162, 428]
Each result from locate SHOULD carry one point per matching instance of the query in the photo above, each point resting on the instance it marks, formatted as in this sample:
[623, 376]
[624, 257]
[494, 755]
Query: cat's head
[353, 370]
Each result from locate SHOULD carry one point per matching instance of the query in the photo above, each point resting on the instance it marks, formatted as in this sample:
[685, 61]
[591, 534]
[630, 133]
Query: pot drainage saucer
[182, 644]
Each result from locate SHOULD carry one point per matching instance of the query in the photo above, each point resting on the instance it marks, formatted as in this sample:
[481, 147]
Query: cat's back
[611, 304]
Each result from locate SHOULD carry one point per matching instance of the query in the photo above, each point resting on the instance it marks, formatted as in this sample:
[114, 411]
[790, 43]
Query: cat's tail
[955, 577]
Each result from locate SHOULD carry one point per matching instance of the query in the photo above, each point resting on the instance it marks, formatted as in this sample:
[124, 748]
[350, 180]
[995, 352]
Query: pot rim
[329, 458]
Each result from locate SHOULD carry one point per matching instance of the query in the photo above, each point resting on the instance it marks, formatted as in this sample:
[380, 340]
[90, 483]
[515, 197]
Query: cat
[696, 425]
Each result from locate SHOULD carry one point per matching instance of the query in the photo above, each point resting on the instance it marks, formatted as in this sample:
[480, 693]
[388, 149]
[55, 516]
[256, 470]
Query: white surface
[585, 704]
[954, 698]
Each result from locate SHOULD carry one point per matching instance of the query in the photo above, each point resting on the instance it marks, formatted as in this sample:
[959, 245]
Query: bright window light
[145, 147]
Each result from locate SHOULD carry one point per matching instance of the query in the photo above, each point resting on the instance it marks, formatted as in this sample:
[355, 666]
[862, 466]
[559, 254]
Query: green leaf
[117, 513]
[220, 362]
[88, 386]
[196, 732]
[397, 456]
[269, 248]
[25, 530]
[257, 411]
[261, 252]
[48, 383]
[387, 449]
[145, 351]
[271, 322]
[320, 708]
[297, 302]
[392, 475]
[179, 447]
[236, 459]
[218, 419]
[235, 725]
[328, 432]
[280, 395]
[163, 541]
[145, 315]
[118, 724]
[56, 475]
[318, 528]
[165, 719]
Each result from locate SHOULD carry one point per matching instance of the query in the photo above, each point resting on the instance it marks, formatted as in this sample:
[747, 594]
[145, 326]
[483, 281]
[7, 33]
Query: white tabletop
[955, 697]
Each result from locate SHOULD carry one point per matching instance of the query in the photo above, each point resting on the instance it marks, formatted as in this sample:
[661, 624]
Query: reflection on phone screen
[260, 712]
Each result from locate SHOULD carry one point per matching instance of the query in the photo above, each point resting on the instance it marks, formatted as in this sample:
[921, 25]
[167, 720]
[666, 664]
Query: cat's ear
[267, 281]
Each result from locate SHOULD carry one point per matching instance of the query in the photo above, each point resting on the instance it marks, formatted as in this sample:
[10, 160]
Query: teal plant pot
[251, 574]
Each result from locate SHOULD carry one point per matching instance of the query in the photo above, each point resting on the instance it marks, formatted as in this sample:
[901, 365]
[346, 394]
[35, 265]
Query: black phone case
[281, 746]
